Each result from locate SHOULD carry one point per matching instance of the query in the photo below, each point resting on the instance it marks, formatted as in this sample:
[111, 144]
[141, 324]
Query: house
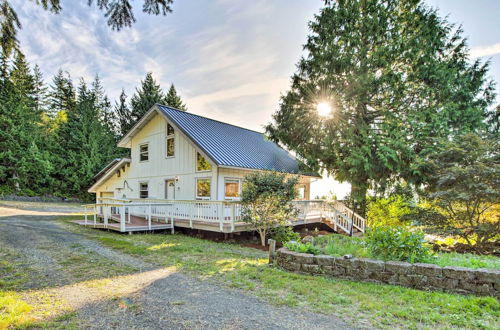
[177, 155]
[187, 170]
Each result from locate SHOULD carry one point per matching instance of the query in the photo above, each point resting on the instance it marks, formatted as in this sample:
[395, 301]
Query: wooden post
[233, 216]
[104, 210]
[122, 218]
[272, 249]
[149, 216]
[221, 217]
[191, 208]
[172, 230]
[95, 215]
[86, 211]
[129, 214]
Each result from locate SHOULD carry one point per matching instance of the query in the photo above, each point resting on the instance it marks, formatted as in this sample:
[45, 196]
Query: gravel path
[149, 298]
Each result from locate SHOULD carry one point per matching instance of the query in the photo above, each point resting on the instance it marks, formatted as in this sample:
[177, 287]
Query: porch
[218, 216]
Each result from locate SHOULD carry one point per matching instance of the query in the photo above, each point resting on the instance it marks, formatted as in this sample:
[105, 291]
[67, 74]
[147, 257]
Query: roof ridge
[218, 121]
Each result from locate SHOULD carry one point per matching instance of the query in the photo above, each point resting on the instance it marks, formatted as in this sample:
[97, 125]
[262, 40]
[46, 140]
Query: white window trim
[196, 162]
[167, 137]
[166, 146]
[196, 188]
[140, 145]
[140, 183]
[239, 188]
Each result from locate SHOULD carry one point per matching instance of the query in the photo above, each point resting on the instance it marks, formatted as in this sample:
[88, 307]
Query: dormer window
[144, 152]
[202, 164]
[170, 141]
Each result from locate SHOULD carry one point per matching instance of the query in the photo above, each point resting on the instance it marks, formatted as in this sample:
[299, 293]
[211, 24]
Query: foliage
[172, 99]
[283, 234]
[397, 243]
[303, 247]
[266, 199]
[145, 97]
[390, 211]
[465, 189]
[339, 245]
[397, 77]
[119, 14]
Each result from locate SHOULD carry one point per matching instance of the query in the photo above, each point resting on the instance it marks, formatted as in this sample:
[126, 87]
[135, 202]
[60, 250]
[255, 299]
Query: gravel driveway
[145, 298]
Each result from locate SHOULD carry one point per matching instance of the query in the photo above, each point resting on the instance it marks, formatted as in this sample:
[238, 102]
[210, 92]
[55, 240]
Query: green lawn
[338, 245]
[247, 269]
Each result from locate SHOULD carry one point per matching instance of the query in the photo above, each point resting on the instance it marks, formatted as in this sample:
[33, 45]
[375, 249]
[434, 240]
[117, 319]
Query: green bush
[283, 234]
[302, 247]
[389, 211]
[397, 243]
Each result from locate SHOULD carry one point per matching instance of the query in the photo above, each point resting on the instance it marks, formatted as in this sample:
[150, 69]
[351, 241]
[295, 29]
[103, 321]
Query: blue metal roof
[229, 145]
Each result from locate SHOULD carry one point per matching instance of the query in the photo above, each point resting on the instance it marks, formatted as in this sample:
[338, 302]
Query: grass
[338, 245]
[247, 269]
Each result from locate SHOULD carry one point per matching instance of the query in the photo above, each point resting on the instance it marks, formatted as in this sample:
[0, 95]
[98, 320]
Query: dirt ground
[104, 289]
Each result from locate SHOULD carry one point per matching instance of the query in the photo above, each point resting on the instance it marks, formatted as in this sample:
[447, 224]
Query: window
[301, 189]
[203, 188]
[170, 130]
[143, 190]
[231, 188]
[202, 164]
[170, 141]
[144, 152]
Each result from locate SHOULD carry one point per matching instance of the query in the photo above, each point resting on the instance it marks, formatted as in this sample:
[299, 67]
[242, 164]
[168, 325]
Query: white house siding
[160, 168]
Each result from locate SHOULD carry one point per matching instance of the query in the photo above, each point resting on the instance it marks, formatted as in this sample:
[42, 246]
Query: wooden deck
[135, 224]
[141, 224]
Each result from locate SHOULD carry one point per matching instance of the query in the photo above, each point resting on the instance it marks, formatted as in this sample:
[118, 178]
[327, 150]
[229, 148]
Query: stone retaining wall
[419, 276]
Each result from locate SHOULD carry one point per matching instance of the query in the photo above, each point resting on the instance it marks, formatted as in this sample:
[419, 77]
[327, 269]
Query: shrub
[397, 243]
[283, 234]
[302, 247]
[389, 211]
[267, 201]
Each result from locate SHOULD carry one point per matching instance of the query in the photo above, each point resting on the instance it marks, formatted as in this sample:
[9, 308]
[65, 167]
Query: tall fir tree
[24, 166]
[86, 139]
[123, 114]
[145, 97]
[174, 100]
[398, 80]
[40, 91]
[62, 94]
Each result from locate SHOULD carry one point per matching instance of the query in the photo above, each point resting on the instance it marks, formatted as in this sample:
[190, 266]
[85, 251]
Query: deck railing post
[233, 215]
[105, 213]
[95, 215]
[122, 218]
[221, 216]
[149, 216]
[191, 207]
[86, 212]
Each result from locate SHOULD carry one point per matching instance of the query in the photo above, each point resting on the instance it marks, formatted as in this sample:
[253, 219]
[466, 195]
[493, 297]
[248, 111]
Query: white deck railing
[218, 213]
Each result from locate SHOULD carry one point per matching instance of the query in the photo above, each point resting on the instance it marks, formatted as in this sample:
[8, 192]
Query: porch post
[233, 215]
[149, 216]
[105, 211]
[122, 218]
[86, 212]
[221, 216]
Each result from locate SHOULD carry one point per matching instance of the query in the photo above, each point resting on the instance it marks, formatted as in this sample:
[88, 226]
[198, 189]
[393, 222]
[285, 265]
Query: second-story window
[170, 141]
[202, 164]
[144, 152]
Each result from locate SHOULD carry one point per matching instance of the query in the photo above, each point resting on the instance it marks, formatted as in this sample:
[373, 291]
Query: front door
[170, 189]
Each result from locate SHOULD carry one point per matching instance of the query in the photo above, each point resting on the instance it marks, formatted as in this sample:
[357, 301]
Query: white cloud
[485, 50]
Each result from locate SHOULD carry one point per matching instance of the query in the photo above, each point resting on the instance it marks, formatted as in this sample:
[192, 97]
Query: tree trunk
[262, 237]
[359, 189]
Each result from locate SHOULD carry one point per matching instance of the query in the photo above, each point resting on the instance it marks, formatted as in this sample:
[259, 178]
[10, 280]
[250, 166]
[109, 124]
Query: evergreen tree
[398, 79]
[23, 165]
[174, 100]
[124, 114]
[86, 140]
[62, 94]
[145, 97]
[39, 91]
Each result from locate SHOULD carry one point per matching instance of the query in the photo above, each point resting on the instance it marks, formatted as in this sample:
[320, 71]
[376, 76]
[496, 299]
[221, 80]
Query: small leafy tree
[390, 211]
[266, 199]
[465, 187]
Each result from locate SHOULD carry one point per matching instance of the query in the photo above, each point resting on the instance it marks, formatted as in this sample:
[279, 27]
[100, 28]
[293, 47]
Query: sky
[230, 60]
